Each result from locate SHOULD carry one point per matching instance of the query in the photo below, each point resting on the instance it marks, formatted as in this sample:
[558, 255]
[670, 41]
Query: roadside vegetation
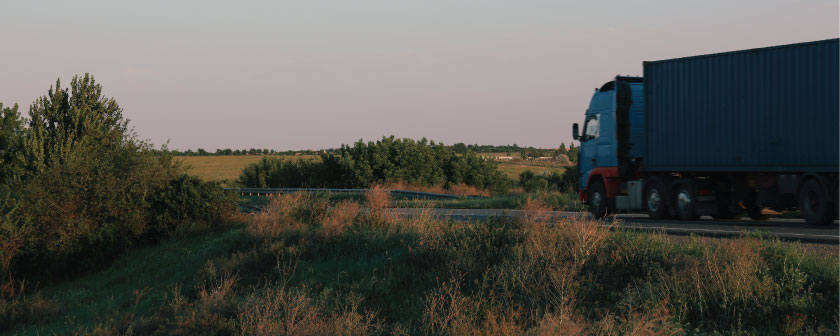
[77, 188]
[309, 266]
[389, 160]
[102, 234]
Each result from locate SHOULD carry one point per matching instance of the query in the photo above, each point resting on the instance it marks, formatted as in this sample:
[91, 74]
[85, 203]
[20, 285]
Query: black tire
[835, 194]
[685, 202]
[655, 200]
[723, 207]
[754, 212]
[598, 204]
[814, 203]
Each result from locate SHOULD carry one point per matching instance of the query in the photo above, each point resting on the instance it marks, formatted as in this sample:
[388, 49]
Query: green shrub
[187, 203]
[76, 185]
[420, 163]
[566, 182]
[531, 182]
[273, 172]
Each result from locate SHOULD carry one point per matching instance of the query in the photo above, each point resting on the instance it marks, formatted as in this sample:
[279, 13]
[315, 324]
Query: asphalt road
[786, 229]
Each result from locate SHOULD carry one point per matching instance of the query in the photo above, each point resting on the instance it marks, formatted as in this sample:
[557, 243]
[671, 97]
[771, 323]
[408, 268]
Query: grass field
[513, 169]
[309, 267]
[226, 169]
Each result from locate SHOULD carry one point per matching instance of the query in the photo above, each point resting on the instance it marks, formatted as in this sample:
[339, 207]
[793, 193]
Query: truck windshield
[590, 127]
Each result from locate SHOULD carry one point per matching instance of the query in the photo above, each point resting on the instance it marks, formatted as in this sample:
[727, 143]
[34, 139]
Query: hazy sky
[315, 74]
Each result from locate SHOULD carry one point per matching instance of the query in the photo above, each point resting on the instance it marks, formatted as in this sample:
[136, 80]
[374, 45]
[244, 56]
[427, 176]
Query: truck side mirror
[575, 131]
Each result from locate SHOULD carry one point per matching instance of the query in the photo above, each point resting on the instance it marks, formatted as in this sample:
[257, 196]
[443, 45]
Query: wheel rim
[654, 200]
[684, 200]
[596, 199]
[812, 201]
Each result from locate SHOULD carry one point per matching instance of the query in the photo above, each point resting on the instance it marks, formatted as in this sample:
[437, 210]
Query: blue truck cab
[615, 111]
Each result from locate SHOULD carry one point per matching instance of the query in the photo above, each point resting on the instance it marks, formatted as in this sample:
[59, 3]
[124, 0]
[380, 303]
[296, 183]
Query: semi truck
[722, 135]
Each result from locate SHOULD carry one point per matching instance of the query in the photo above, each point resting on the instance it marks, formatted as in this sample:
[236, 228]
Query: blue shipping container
[770, 109]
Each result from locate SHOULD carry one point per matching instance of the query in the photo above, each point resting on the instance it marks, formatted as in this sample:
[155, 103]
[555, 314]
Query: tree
[65, 121]
[459, 148]
[11, 143]
[83, 184]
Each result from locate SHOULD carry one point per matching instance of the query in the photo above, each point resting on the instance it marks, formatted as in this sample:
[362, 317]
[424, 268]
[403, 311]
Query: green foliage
[188, 203]
[76, 183]
[573, 153]
[388, 160]
[471, 169]
[565, 182]
[523, 276]
[11, 143]
[274, 172]
[531, 182]
[68, 124]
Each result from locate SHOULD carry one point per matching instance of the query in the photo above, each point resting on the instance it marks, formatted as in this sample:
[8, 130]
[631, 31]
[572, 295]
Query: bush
[77, 186]
[568, 181]
[187, 203]
[565, 182]
[389, 160]
[273, 172]
[531, 182]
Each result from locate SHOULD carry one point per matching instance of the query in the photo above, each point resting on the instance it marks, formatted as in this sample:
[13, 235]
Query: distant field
[513, 169]
[227, 168]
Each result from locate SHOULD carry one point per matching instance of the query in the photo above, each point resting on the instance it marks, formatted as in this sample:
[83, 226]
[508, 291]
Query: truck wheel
[655, 201]
[686, 203]
[598, 205]
[723, 203]
[754, 212]
[836, 197]
[814, 203]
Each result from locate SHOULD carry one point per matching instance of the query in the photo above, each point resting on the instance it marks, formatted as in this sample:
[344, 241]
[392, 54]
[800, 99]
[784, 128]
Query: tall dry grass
[289, 214]
[365, 271]
[376, 215]
[457, 189]
[280, 311]
[547, 266]
[538, 288]
[339, 219]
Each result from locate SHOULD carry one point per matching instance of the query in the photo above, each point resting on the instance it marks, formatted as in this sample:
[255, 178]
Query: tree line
[419, 162]
[252, 151]
[524, 151]
[459, 148]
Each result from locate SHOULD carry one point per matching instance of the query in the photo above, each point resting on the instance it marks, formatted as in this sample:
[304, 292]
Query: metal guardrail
[393, 192]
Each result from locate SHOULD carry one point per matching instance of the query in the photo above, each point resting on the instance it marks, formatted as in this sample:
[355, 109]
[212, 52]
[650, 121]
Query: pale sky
[315, 74]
